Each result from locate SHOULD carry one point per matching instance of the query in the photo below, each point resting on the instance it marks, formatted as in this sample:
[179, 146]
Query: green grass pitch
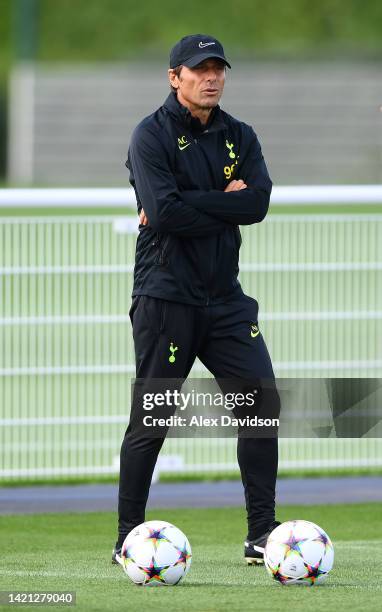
[72, 552]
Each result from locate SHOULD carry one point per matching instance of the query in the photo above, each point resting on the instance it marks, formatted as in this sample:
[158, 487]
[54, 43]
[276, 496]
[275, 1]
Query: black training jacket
[179, 169]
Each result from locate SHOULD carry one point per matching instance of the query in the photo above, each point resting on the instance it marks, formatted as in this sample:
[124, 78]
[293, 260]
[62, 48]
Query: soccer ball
[156, 553]
[299, 552]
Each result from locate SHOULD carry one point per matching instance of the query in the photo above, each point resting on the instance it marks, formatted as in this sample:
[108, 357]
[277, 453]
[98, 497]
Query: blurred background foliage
[123, 29]
[126, 30]
[104, 30]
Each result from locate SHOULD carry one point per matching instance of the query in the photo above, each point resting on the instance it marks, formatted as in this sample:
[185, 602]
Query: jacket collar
[182, 115]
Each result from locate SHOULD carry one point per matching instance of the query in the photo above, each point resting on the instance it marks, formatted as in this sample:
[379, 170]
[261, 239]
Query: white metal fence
[67, 355]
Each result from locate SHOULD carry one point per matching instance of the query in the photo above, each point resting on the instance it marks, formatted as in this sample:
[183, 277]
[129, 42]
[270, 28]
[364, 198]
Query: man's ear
[172, 78]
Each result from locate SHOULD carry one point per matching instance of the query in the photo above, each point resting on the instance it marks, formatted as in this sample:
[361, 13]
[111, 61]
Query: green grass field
[72, 552]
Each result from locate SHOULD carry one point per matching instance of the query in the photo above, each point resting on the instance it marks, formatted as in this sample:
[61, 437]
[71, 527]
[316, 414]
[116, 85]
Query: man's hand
[143, 220]
[235, 185]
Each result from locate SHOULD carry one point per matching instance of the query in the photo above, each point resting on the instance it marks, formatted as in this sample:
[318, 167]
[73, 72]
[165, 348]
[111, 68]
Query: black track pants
[224, 339]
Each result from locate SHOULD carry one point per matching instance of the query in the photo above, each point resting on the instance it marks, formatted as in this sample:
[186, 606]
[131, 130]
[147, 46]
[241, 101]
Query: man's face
[202, 86]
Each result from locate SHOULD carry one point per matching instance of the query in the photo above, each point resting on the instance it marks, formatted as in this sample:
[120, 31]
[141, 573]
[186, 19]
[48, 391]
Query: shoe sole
[254, 560]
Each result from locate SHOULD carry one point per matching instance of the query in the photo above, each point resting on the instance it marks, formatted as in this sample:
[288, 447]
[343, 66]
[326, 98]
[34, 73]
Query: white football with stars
[156, 553]
[299, 552]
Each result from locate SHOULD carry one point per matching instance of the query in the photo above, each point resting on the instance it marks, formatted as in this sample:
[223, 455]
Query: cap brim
[197, 59]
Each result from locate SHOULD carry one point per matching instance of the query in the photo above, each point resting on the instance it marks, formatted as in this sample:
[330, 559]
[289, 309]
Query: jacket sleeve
[158, 193]
[243, 207]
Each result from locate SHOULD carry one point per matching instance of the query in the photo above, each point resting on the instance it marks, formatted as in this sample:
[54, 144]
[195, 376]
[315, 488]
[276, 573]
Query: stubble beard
[209, 105]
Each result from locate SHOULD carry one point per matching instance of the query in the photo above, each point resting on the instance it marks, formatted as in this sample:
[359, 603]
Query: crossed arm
[196, 212]
[235, 185]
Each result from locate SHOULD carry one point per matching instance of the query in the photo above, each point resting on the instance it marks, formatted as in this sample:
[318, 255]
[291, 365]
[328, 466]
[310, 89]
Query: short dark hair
[177, 70]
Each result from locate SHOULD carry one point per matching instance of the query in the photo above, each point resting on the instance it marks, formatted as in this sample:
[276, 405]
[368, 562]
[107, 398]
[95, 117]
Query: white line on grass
[61, 574]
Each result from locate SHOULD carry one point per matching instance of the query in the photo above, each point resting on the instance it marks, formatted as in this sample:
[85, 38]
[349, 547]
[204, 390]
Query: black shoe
[254, 549]
[116, 555]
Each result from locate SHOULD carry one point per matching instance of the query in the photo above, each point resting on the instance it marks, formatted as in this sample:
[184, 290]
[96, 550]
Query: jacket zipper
[207, 295]
[212, 266]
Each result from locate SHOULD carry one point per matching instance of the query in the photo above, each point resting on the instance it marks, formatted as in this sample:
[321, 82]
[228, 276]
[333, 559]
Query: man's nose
[211, 74]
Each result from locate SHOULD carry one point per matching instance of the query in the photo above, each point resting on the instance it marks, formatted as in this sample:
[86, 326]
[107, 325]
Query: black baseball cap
[193, 49]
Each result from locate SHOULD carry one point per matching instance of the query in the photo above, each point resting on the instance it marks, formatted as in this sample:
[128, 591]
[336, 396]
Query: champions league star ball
[156, 553]
[299, 552]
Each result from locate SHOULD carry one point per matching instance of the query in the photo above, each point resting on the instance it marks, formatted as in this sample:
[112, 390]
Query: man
[198, 173]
